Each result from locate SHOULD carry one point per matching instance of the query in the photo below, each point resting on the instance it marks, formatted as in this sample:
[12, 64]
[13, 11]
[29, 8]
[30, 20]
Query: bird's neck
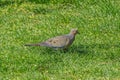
[72, 35]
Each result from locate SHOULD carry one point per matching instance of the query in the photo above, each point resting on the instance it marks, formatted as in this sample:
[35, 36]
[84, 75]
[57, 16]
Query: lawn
[95, 54]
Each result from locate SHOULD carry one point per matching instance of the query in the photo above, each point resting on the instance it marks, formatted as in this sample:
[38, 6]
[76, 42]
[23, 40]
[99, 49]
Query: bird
[59, 42]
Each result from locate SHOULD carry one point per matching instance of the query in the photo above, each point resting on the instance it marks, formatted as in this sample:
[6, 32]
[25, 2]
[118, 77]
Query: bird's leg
[65, 49]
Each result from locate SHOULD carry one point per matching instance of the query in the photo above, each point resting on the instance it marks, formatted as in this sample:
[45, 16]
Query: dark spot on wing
[50, 40]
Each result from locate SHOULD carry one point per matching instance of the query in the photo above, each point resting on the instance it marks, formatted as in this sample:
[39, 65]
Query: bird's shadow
[81, 48]
[88, 48]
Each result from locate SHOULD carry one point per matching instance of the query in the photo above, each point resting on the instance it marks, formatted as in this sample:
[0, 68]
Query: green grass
[95, 54]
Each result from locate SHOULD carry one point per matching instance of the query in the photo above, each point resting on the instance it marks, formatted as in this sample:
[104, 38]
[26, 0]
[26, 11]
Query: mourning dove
[57, 42]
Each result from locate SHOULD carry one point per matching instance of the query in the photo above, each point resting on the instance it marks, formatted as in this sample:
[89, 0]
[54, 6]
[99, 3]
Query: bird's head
[74, 31]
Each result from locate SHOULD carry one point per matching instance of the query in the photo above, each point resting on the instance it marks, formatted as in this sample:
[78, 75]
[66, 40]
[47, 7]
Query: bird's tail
[32, 44]
[39, 44]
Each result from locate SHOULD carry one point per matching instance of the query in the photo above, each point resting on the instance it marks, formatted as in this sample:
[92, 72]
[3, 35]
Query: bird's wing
[57, 42]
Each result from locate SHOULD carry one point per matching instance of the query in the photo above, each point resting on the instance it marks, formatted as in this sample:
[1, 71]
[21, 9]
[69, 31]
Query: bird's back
[58, 42]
